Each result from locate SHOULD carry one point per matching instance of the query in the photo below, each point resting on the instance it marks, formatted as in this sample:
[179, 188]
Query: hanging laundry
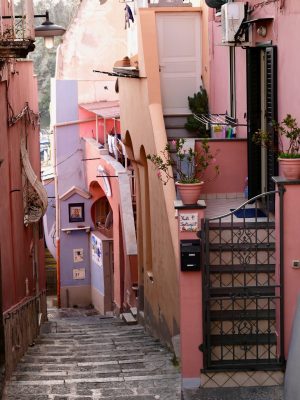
[128, 16]
[110, 139]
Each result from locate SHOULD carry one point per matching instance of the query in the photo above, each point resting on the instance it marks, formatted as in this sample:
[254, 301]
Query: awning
[35, 195]
[122, 72]
[103, 109]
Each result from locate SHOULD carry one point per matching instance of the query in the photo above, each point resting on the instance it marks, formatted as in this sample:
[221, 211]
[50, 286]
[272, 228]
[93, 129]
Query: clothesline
[217, 119]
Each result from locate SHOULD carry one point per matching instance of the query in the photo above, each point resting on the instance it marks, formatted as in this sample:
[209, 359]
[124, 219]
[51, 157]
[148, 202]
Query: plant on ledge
[287, 150]
[185, 165]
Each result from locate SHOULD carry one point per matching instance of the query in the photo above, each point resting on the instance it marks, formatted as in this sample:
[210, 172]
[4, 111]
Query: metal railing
[243, 287]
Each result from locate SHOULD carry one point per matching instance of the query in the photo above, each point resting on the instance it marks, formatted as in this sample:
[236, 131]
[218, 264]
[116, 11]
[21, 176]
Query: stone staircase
[175, 129]
[50, 266]
[241, 305]
[92, 357]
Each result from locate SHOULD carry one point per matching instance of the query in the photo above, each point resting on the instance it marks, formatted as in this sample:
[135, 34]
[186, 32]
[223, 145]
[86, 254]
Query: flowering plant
[287, 128]
[188, 165]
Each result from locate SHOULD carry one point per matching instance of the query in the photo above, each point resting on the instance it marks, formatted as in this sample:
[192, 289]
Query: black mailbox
[190, 252]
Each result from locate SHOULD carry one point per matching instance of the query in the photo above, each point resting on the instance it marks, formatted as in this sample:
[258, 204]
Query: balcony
[16, 32]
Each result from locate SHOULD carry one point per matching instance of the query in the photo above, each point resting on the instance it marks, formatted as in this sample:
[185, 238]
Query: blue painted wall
[70, 171]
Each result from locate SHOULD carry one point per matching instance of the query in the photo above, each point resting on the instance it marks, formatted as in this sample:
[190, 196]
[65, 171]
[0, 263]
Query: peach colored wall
[16, 240]
[191, 324]
[205, 47]
[141, 116]
[231, 157]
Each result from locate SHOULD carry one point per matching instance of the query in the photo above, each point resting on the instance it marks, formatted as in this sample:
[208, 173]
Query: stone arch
[101, 210]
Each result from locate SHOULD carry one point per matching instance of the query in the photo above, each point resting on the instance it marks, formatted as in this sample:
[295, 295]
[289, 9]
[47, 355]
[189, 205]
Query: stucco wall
[95, 40]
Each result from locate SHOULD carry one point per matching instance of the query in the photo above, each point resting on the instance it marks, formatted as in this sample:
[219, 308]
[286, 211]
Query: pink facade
[230, 179]
[22, 245]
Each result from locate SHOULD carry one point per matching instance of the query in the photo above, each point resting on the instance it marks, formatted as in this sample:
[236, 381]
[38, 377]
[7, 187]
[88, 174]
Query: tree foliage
[60, 13]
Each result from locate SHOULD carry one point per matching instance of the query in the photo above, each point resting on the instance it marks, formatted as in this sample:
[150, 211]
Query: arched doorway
[102, 251]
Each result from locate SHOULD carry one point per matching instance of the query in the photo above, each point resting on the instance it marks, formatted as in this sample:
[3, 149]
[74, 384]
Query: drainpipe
[97, 129]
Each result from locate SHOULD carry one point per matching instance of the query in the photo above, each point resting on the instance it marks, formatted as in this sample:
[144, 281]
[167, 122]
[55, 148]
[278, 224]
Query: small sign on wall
[77, 255]
[188, 222]
[97, 251]
[78, 273]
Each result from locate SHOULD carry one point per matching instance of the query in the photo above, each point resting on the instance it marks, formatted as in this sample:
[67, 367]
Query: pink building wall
[231, 157]
[191, 321]
[291, 222]
[282, 31]
[16, 240]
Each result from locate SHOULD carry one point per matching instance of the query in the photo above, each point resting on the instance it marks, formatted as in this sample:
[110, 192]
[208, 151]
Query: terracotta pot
[290, 167]
[189, 192]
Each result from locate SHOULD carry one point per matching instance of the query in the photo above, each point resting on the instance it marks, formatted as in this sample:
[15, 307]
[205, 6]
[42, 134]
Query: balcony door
[179, 46]
[262, 111]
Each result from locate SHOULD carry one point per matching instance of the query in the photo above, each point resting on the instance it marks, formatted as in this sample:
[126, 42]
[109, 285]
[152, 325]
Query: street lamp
[48, 30]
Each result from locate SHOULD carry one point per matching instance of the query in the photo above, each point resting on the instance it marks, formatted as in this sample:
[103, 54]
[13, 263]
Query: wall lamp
[48, 30]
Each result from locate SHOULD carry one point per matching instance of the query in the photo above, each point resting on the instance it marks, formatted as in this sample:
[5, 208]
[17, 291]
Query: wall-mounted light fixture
[48, 30]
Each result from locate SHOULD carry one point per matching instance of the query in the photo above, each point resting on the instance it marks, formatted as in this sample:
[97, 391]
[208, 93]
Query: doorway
[262, 111]
[179, 48]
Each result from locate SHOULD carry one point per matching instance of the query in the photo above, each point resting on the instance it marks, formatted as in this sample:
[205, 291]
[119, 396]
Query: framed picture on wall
[76, 212]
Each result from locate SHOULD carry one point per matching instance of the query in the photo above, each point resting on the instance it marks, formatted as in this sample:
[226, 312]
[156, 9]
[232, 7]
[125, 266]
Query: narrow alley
[86, 356]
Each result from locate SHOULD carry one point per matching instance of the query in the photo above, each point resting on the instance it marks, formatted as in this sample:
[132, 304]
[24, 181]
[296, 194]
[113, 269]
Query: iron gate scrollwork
[242, 289]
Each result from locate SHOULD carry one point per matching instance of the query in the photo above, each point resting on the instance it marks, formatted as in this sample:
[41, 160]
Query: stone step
[90, 358]
[129, 319]
[133, 311]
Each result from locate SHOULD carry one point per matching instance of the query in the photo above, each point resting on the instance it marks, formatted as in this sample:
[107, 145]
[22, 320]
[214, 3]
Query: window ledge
[81, 228]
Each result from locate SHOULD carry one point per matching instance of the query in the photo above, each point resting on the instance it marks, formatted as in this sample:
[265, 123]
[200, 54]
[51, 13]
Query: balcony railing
[16, 31]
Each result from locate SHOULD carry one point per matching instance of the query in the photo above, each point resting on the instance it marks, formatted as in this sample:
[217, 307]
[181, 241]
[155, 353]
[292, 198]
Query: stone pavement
[89, 357]
[238, 393]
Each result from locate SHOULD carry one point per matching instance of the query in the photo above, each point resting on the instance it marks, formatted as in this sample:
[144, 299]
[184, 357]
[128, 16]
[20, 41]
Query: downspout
[57, 219]
[97, 129]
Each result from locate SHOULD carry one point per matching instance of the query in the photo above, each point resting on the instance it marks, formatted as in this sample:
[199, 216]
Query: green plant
[198, 104]
[188, 165]
[288, 128]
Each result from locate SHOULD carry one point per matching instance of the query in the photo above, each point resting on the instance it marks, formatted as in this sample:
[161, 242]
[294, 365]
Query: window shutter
[253, 120]
[271, 112]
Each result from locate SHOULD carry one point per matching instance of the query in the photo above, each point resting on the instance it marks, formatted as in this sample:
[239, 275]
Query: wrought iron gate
[243, 307]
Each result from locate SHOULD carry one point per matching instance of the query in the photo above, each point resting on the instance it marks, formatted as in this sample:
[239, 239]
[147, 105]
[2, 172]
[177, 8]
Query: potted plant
[186, 166]
[198, 104]
[288, 133]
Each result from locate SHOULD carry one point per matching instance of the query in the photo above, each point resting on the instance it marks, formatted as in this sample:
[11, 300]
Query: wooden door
[179, 46]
